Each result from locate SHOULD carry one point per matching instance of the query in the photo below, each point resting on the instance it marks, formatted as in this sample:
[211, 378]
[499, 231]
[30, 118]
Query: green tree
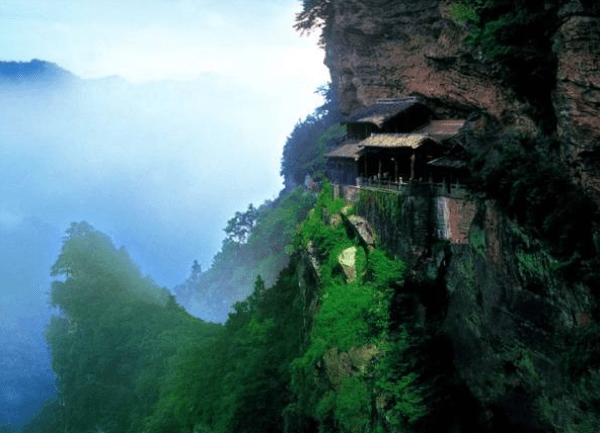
[315, 14]
[235, 267]
[112, 343]
[305, 148]
[240, 226]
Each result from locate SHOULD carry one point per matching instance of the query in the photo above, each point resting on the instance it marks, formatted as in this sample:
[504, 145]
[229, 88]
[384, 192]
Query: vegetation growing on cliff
[305, 148]
[353, 376]
[316, 14]
[529, 181]
[314, 350]
[517, 38]
[317, 348]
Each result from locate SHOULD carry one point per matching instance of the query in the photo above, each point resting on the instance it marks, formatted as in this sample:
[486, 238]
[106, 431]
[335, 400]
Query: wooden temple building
[396, 141]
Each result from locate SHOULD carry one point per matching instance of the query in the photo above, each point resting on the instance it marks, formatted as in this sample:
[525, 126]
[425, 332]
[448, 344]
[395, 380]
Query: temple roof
[412, 141]
[442, 129]
[383, 110]
[448, 162]
[348, 149]
[435, 131]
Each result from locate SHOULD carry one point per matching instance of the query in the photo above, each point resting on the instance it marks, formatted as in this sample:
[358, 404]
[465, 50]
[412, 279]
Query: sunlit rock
[363, 228]
[347, 259]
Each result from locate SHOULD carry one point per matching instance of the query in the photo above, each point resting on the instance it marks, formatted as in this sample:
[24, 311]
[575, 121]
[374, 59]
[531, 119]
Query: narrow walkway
[350, 192]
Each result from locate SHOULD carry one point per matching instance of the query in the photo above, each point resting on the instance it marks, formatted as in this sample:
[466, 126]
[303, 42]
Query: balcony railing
[413, 188]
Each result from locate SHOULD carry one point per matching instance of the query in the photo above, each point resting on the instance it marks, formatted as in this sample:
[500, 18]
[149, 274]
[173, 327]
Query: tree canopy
[97, 275]
[315, 14]
[240, 226]
[112, 341]
[305, 148]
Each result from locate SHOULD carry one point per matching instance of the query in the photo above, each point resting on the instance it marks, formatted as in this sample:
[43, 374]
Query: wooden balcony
[443, 189]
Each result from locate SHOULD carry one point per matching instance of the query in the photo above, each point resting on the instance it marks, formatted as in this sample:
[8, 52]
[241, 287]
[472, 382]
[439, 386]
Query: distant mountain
[36, 71]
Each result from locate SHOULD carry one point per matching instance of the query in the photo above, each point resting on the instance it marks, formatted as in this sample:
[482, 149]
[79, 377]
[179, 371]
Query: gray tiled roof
[448, 162]
[383, 110]
[442, 129]
[348, 149]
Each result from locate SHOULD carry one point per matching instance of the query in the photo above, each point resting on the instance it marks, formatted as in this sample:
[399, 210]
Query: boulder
[347, 260]
[363, 228]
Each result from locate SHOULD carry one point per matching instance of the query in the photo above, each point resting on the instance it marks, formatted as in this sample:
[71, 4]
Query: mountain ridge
[35, 71]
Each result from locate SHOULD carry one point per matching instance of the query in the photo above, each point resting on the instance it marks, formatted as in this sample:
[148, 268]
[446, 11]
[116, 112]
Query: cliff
[518, 301]
[433, 310]
[550, 78]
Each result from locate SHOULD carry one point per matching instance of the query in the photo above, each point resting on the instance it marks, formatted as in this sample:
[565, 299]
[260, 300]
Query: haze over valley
[155, 143]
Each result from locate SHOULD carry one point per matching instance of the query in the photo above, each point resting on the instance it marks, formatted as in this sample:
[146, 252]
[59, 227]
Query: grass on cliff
[353, 374]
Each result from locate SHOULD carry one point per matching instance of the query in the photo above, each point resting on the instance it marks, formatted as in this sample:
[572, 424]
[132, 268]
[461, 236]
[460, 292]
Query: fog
[160, 167]
[155, 122]
[25, 375]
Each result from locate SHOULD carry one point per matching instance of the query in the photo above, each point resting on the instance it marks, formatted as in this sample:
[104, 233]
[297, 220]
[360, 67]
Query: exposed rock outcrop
[516, 319]
[347, 260]
[388, 48]
[577, 95]
[363, 228]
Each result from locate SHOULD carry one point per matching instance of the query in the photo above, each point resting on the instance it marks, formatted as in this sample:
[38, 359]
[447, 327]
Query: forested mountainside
[256, 240]
[377, 322]
[522, 294]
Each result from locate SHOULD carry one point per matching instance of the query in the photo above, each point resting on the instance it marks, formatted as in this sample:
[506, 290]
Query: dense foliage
[238, 382]
[316, 14]
[251, 249]
[312, 350]
[353, 375]
[305, 148]
[280, 365]
[111, 343]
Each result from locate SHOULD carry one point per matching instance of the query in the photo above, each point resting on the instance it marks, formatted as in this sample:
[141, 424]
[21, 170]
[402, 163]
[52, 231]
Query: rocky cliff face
[577, 95]
[387, 48]
[522, 337]
[522, 322]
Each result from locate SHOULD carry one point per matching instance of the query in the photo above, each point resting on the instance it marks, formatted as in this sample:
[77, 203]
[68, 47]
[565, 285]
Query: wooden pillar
[379, 172]
[412, 166]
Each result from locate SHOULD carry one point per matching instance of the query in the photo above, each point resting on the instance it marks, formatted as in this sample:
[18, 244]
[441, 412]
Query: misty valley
[428, 259]
[123, 352]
